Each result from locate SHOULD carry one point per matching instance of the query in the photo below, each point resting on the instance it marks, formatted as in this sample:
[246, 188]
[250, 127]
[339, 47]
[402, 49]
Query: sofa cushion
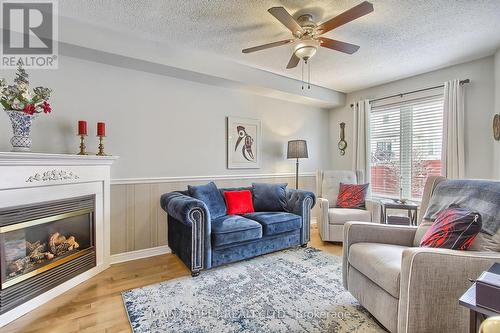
[234, 229]
[211, 196]
[340, 216]
[269, 197]
[421, 230]
[381, 263]
[274, 223]
[485, 242]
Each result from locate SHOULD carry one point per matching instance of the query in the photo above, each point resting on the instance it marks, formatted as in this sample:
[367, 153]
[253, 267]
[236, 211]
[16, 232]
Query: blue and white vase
[21, 127]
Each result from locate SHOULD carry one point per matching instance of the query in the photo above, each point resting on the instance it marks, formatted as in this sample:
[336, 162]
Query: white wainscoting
[138, 224]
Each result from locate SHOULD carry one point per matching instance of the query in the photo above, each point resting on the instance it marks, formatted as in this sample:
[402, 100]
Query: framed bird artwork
[243, 143]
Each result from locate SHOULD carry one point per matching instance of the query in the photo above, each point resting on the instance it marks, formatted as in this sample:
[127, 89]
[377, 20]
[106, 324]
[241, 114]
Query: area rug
[297, 290]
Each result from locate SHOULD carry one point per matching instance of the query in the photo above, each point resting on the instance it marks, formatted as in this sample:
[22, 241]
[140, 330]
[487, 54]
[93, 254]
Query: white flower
[17, 104]
[26, 95]
[23, 87]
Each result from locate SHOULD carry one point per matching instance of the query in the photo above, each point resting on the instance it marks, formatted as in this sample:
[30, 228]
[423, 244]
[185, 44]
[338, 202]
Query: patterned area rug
[297, 290]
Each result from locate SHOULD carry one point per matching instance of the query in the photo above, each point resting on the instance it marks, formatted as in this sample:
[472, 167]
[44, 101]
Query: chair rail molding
[174, 179]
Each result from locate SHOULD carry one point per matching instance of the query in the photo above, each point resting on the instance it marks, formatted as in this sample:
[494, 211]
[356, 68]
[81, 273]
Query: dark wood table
[477, 313]
[411, 207]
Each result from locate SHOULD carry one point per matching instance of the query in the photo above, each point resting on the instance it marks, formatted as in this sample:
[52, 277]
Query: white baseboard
[139, 254]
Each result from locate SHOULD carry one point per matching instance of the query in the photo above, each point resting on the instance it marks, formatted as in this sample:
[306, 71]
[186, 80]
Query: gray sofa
[409, 288]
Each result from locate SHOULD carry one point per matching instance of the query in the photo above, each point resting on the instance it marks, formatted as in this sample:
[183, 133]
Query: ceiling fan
[307, 34]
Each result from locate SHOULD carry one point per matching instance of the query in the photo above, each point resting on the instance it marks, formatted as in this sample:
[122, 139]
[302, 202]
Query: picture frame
[243, 143]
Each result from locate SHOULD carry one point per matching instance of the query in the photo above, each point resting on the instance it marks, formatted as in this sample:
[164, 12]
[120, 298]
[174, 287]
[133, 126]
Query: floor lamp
[297, 149]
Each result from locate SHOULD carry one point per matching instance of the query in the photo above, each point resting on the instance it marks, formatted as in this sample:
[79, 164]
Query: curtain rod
[412, 92]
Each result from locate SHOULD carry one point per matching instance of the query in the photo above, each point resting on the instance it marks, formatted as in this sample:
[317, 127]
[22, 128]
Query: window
[405, 144]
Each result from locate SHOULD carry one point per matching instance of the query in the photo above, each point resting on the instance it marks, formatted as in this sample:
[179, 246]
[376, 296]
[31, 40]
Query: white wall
[162, 126]
[496, 146]
[479, 103]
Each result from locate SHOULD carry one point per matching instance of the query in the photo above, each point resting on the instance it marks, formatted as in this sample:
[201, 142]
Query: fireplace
[43, 245]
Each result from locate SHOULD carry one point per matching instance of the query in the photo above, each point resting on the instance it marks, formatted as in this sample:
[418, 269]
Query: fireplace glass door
[35, 239]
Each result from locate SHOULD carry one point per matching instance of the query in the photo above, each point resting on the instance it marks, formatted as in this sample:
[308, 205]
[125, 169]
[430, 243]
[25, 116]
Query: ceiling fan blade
[338, 45]
[346, 17]
[267, 46]
[282, 15]
[294, 61]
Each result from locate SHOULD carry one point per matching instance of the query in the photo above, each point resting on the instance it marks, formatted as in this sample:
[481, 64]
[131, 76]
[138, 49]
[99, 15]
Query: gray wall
[496, 145]
[162, 126]
[479, 103]
[167, 132]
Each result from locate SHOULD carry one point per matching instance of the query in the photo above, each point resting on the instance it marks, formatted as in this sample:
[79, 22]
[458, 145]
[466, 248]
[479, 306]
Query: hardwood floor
[96, 305]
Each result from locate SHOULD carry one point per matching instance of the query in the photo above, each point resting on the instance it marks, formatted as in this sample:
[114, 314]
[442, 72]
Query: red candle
[82, 127]
[101, 129]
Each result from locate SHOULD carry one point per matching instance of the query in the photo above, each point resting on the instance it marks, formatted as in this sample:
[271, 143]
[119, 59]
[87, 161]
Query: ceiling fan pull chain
[302, 79]
[309, 74]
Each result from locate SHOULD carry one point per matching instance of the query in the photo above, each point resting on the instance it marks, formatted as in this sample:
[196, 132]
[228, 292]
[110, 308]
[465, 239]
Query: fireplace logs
[58, 244]
[38, 252]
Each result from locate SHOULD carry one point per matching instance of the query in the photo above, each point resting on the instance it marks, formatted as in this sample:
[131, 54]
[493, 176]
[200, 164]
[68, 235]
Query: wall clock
[342, 143]
[496, 127]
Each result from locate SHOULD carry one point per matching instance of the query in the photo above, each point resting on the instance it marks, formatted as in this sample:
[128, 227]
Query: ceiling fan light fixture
[306, 49]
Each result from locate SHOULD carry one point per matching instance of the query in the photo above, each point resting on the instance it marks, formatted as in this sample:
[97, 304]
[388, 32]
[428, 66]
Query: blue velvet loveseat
[203, 236]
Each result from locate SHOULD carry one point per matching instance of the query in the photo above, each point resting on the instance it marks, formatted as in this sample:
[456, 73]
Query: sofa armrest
[194, 213]
[301, 202]
[180, 206]
[323, 222]
[366, 232]
[432, 281]
[374, 207]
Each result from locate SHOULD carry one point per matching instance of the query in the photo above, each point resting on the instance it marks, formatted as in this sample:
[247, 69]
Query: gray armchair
[331, 218]
[409, 288]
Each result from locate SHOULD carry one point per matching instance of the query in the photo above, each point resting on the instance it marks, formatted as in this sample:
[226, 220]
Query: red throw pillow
[455, 228]
[352, 195]
[239, 202]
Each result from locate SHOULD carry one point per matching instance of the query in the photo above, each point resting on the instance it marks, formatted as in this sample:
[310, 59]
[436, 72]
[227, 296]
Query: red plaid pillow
[455, 228]
[352, 195]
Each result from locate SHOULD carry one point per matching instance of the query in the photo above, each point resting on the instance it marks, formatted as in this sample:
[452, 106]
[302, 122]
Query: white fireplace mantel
[9, 158]
[27, 178]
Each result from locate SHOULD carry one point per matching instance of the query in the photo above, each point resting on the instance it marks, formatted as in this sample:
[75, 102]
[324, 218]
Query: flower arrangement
[17, 97]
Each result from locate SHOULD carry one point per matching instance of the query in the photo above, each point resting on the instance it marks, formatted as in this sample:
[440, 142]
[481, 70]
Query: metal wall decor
[496, 127]
[342, 143]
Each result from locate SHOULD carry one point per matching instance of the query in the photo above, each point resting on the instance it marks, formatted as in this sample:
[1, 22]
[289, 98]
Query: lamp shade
[297, 149]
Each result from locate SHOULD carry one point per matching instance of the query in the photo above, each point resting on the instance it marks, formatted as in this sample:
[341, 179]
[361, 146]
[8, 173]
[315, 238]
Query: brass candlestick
[101, 147]
[82, 145]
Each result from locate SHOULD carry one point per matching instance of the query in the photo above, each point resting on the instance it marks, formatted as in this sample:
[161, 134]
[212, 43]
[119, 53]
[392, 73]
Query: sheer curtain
[453, 161]
[361, 139]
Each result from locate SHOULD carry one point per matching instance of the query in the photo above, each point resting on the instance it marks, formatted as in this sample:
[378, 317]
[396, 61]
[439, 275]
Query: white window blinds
[405, 144]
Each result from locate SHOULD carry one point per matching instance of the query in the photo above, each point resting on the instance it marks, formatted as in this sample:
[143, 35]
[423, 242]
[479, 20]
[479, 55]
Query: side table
[411, 207]
[477, 313]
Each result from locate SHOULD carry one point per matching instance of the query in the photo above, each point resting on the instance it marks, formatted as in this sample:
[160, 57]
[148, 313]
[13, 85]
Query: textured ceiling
[399, 39]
